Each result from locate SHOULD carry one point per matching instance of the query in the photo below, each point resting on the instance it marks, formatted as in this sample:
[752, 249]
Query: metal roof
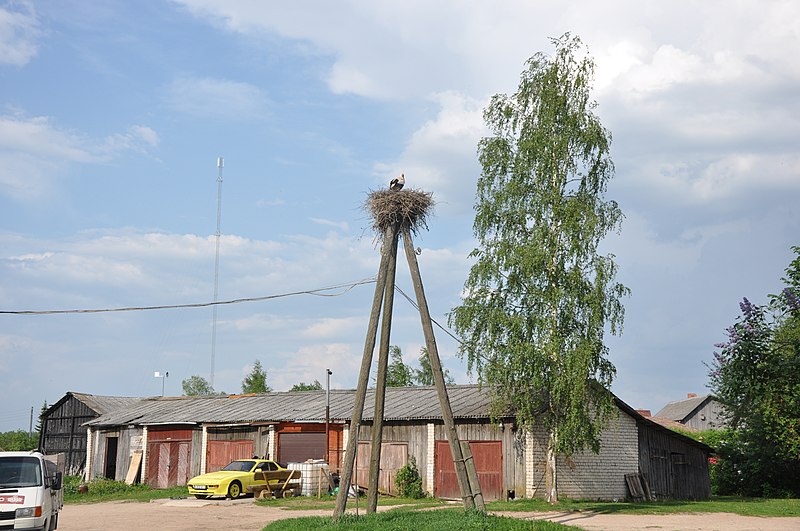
[680, 410]
[97, 403]
[402, 403]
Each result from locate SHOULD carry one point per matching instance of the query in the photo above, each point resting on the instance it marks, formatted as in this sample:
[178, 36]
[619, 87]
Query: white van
[30, 491]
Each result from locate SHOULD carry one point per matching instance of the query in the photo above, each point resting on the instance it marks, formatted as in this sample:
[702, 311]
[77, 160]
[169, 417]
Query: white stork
[397, 183]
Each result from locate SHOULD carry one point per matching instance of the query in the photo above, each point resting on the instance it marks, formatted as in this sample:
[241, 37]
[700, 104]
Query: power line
[319, 292]
[415, 305]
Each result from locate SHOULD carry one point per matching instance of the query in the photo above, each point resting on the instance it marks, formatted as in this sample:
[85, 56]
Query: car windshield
[20, 472]
[239, 466]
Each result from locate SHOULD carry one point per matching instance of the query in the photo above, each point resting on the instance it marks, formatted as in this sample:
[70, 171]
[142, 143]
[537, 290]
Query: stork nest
[401, 208]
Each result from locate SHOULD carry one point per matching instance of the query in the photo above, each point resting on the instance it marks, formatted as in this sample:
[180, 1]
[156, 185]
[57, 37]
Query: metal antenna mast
[220, 164]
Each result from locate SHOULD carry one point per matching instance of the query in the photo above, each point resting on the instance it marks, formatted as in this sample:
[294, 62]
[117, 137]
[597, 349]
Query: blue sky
[112, 116]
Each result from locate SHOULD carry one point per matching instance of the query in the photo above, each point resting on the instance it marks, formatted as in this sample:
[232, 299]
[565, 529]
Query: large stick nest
[401, 208]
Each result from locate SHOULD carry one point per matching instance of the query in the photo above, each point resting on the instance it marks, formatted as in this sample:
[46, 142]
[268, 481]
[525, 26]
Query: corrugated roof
[467, 401]
[680, 410]
[104, 404]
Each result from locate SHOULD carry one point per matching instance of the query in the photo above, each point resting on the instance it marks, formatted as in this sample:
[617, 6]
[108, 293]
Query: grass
[403, 519]
[304, 503]
[102, 490]
[717, 504]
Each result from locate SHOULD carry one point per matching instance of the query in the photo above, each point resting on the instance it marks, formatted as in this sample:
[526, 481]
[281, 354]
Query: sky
[113, 115]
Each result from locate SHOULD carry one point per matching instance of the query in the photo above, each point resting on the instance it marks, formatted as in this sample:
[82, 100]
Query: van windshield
[20, 472]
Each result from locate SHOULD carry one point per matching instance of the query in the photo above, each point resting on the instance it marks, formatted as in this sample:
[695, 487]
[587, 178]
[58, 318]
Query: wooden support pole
[361, 389]
[380, 383]
[472, 475]
[438, 377]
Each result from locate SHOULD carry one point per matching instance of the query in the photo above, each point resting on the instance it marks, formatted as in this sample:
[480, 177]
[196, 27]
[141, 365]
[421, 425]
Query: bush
[408, 480]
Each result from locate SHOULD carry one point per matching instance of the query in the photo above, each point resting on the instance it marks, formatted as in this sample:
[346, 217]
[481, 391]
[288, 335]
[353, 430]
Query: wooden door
[394, 456]
[488, 458]
[220, 453]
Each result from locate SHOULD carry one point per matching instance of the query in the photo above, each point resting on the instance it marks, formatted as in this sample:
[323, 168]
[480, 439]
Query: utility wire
[318, 292]
[415, 305]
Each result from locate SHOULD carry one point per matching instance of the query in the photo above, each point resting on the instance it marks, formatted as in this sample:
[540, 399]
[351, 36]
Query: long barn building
[179, 437]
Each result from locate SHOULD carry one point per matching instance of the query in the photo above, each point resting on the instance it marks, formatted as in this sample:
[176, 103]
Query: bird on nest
[398, 182]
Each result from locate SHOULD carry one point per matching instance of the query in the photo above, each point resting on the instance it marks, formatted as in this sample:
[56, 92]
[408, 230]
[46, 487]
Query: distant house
[63, 429]
[176, 438]
[695, 412]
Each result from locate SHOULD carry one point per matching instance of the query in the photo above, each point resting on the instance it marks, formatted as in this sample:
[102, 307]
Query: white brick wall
[431, 445]
[587, 475]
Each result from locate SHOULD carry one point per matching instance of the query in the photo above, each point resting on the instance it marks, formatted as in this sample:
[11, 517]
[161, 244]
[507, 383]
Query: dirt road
[244, 515]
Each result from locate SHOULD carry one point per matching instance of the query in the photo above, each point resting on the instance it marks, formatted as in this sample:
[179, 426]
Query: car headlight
[28, 512]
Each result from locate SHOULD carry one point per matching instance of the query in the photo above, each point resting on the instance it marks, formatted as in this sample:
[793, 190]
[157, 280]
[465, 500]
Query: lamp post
[327, 413]
[163, 377]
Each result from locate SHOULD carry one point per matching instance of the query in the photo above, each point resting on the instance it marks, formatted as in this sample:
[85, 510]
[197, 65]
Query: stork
[397, 183]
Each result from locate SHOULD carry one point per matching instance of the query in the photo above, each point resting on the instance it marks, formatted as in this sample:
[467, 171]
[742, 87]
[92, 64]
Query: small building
[184, 436]
[63, 429]
[695, 412]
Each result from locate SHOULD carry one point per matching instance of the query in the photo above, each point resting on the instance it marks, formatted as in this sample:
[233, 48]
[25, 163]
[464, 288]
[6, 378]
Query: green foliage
[197, 386]
[756, 375]
[540, 296]
[17, 441]
[717, 504]
[256, 381]
[398, 374]
[408, 480]
[403, 520]
[424, 375]
[302, 386]
[102, 489]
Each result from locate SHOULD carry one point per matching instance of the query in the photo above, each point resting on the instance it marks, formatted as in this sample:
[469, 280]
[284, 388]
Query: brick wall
[587, 475]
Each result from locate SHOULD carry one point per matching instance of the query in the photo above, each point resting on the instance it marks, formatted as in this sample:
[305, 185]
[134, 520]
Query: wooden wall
[62, 433]
[674, 468]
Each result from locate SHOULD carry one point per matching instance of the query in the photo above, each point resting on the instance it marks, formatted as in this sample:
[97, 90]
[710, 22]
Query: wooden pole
[361, 389]
[380, 384]
[438, 377]
[472, 475]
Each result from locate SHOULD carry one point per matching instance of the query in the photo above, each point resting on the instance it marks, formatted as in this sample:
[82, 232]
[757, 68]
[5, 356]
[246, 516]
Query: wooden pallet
[279, 483]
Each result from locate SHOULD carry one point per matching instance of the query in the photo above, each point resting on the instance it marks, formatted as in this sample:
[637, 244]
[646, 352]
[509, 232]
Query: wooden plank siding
[674, 468]
[62, 432]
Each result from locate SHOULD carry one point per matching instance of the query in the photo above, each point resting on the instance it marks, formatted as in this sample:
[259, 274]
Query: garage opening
[300, 447]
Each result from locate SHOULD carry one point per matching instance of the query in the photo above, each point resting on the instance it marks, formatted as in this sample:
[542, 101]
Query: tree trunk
[551, 476]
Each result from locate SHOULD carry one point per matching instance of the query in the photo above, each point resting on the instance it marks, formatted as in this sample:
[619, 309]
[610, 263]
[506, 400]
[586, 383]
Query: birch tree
[540, 296]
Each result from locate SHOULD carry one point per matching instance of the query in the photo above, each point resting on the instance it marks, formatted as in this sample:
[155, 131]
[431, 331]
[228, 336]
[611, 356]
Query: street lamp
[163, 377]
[327, 413]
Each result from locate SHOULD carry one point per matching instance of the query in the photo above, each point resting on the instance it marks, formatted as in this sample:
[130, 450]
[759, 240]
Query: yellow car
[231, 481]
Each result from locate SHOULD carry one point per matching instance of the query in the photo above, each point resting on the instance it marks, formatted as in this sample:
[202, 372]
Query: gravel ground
[244, 515]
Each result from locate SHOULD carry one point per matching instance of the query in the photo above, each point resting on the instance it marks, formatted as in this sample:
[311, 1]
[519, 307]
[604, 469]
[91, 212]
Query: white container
[313, 479]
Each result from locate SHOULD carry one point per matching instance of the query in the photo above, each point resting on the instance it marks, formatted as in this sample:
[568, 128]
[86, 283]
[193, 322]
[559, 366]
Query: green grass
[303, 503]
[717, 504]
[403, 520]
[102, 490]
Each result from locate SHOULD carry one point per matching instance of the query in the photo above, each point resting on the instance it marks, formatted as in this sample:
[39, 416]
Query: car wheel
[288, 493]
[234, 490]
[202, 496]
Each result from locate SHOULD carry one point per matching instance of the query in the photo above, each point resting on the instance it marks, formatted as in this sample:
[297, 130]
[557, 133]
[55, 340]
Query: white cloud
[19, 33]
[35, 152]
[440, 155]
[216, 98]
[341, 225]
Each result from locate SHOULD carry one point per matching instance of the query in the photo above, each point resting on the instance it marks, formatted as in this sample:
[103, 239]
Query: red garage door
[220, 453]
[488, 458]
[299, 447]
